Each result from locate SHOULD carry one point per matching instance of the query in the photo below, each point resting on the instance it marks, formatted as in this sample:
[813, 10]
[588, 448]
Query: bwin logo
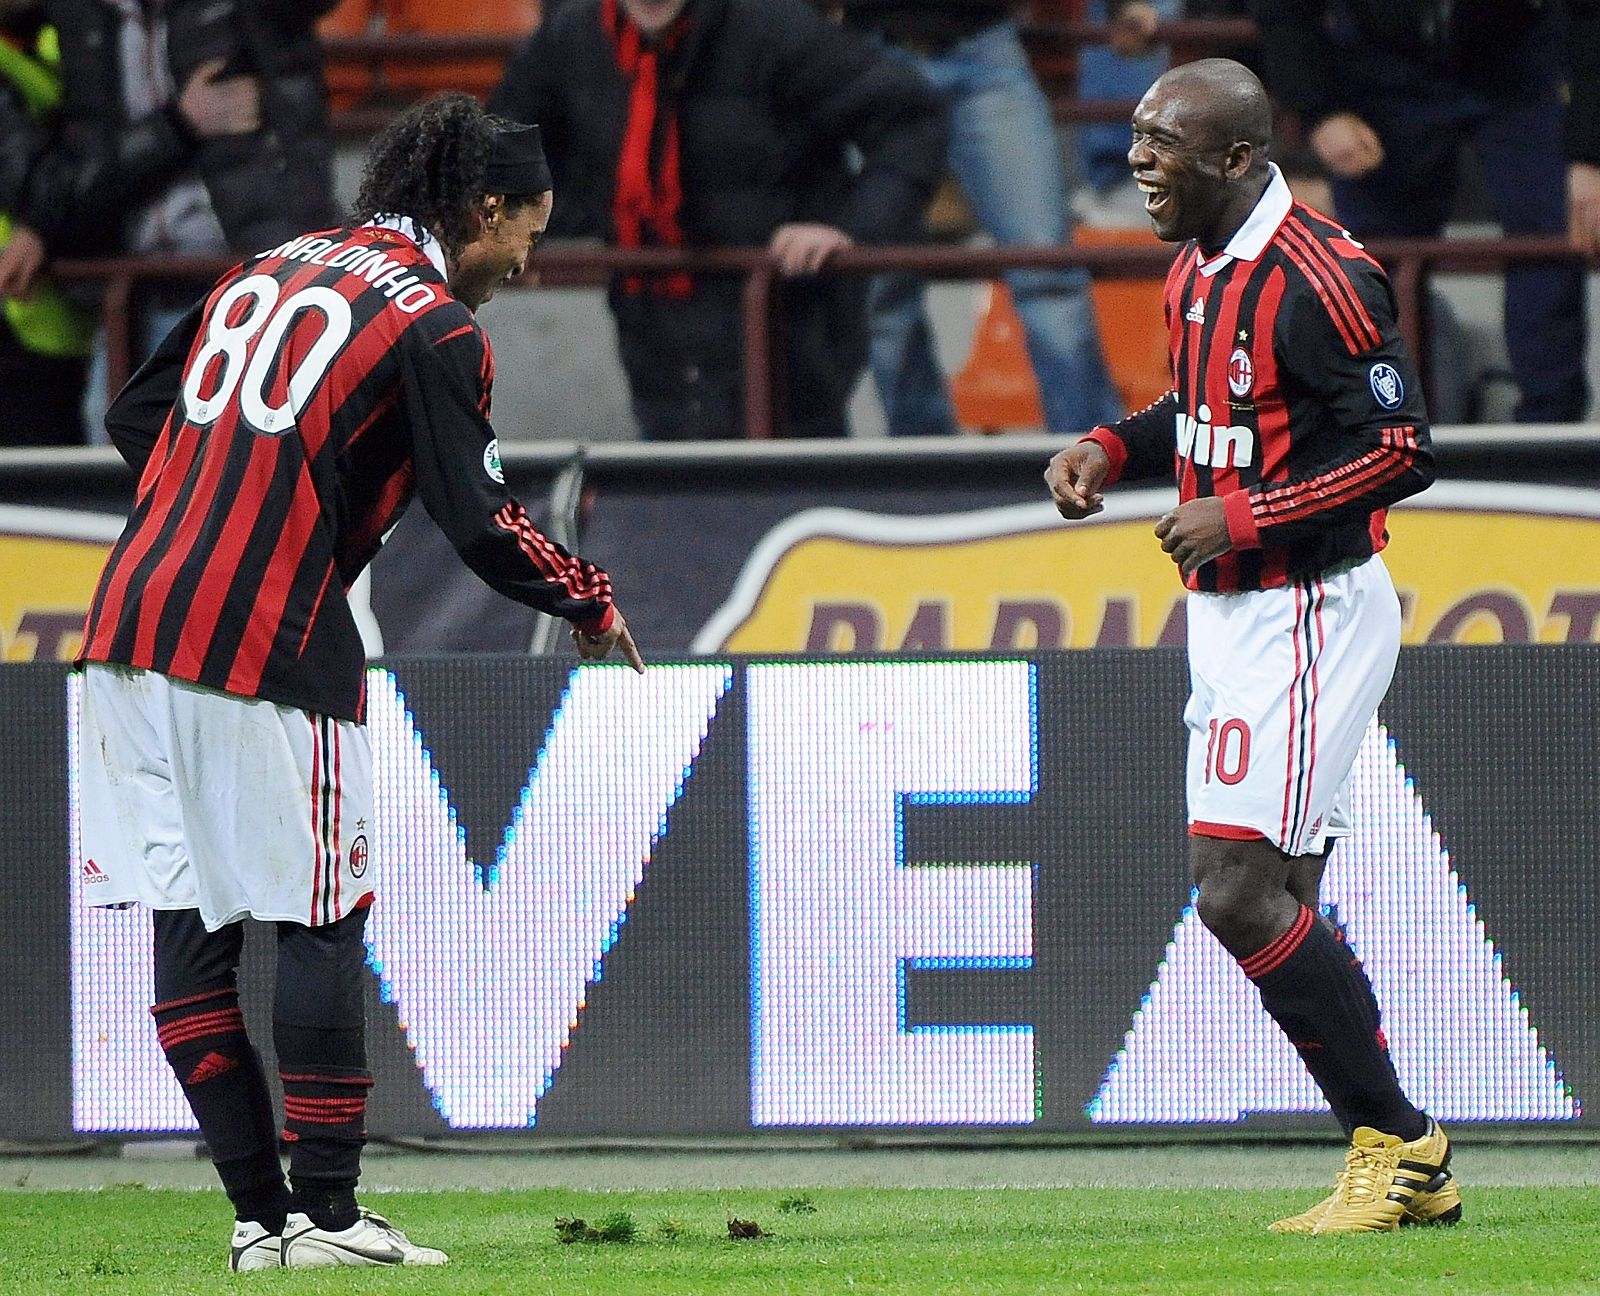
[1222, 446]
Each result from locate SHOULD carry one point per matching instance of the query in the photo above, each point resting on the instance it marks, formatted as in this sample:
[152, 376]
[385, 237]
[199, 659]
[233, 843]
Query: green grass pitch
[1192, 1241]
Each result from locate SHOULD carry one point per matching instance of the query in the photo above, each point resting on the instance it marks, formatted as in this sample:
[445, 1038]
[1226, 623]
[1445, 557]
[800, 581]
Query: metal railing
[1411, 263]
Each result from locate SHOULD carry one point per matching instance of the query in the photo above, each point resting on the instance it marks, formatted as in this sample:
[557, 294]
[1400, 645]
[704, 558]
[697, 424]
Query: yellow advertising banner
[1473, 562]
[50, 560]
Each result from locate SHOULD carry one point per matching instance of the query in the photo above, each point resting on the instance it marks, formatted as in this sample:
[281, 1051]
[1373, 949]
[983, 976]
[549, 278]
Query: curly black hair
[429, 164]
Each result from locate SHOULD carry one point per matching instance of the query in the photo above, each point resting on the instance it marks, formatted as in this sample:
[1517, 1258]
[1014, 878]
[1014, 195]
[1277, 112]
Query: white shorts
[194, 799]
[1284, 683]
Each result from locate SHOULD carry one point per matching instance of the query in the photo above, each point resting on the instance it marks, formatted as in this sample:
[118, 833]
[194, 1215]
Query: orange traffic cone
[996, 388]
[1132, 333]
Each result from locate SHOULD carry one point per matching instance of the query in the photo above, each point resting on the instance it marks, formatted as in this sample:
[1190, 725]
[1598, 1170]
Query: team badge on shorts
[1241, 373]
[358, 856]
[1386, 385]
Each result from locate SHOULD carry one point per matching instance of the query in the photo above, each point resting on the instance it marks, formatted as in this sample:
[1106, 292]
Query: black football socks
[1314, 988]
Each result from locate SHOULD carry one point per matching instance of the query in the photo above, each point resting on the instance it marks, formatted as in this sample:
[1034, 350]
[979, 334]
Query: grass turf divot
[618, 1226]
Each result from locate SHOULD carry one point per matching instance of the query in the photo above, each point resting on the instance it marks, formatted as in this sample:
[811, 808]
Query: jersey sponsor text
[1220, 445]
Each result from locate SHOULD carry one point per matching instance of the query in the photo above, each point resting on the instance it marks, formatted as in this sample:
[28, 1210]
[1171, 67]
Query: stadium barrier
[864, 545]
[1411, 264]
[887, 895]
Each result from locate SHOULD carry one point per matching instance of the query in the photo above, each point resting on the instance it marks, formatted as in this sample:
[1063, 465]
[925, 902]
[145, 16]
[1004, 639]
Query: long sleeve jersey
[1293, 399]
[279, 431]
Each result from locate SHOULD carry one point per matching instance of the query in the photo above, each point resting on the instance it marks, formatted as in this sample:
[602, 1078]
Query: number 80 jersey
[279, 431]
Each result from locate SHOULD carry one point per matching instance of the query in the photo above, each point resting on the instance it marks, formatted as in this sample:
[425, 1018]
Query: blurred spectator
[747, 122]
[1583, 127]
[202, 124]
[1004, 152]
[1123, 69]
[1131, 62]
[276, 182]
[1389, 91]
[44, 336]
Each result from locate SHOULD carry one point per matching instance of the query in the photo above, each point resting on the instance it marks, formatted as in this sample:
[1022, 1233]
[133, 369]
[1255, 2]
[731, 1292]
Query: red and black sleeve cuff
[1115, 450]
[1238, 509]
[599, 624]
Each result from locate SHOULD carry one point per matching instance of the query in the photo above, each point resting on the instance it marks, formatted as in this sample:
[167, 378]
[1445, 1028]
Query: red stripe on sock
[364, 1081]
[227, 1022]
[1276, 954]
[174, 1004]
[328, 1104]
[294, 1116]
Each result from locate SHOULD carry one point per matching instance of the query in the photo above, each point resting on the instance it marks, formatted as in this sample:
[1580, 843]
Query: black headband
[517, 164]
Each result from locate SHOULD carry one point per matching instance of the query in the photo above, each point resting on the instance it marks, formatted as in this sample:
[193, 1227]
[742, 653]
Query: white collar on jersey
[411, 229]
[1250, 239]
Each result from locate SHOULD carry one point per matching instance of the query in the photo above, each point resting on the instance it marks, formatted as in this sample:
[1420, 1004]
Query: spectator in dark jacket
[748, 122]
[239, 99]
[44, 335]
[1390, 90]
[187, 126]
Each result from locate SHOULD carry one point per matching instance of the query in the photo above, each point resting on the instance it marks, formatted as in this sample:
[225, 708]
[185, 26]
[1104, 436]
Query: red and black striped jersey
[1294, 398]
[279, 431]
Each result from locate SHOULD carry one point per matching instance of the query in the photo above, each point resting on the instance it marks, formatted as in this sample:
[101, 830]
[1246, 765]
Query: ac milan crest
[358, 856]
[1241, 372]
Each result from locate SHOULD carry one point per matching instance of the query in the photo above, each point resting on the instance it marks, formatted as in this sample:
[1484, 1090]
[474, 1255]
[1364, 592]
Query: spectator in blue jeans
[1390, 91]
[1123, 69]
[1003, 151]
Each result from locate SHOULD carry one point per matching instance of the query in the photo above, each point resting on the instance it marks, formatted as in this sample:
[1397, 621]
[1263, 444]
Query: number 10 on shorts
[1227, 750]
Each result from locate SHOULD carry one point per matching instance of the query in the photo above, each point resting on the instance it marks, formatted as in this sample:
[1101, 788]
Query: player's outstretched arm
[595, 647]
[1076, 477]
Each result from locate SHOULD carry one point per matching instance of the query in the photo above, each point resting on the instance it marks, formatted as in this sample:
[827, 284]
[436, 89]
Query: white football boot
[371, 1240]
[253, 1248]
